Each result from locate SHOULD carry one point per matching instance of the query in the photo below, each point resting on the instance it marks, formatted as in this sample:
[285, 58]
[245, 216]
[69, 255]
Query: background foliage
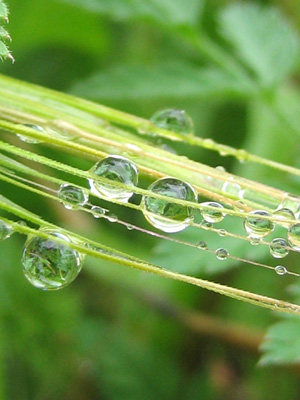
[119, 334]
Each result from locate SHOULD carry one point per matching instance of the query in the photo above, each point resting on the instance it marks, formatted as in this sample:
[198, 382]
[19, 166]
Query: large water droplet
[116, 169]
[278, 248]
[72, 196]
[212, 216]
[222, 254]
[5, 230]
[293, 236]
[49, 265]
[280, 270]
[174, 120]
[167, 216]
[256, 226]
[28, 139]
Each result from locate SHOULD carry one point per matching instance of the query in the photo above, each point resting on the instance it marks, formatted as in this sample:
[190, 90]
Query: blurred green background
[116, 333]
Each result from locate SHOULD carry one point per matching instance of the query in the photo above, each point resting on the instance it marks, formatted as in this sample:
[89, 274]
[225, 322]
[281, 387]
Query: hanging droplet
[202, 245]
[222, 232]
[174, 120]
[284, 214]
[98, 212]
[254, 241]
[130, 227]
[256, 226]
[167, 216]
[242, 155]
[278, 248]
[280, 270]
[28, 139]
[72, 196]
[111, 217]
[212, 216]
[49, 265]
[293, 236]
[6, 230]
[117, 169]
[206, 225]
[222, 254]
[291, 202]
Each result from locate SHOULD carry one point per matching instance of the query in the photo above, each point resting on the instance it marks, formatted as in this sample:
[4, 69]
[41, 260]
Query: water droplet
[111, 217]
[254, 241]
[222, 232]
[212, 216]
[206, 225]
[222, 254]
[130, 227]
[284, 214]
[72, 196]
[98, 212]
[167, 216]
[293, 236]
[6, 230]
[231, 188]
[256, 226]
[291, 202]
[116, 169]
[280, 270]
[221, 168]
[49, 265]
[202, 245]
[242, 155]
[174, 120]
[28, 139]
[278, 248]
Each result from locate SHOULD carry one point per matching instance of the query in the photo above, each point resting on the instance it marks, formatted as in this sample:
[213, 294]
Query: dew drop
[206, 225]
[202, 245]
[256, 226]
[278, 248]
[222, 254]
[212, 216]
[72, 196]
[28, 139]
[231, 188]
[293, 236]
[167, 216]
[284, 214]
[6, 230]
[97, 212]
[174, 120]
[49, 265]
[117, 169]
[130, 227]
[111, 217]
[254, 241]
[280, 270]
[222, 232]
[242, 155]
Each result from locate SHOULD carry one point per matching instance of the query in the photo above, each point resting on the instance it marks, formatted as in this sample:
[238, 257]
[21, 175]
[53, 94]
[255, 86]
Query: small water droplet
[111, 217]
[174, 120]
[291, 202]
[278, 248]
[6, 230]
[72, 196]
[130, 227]
[167, 216]
[242, 155]
[221, 168]
[222, 232]
[231, 188]
[49, 265]
[254, 241]
[284, 214]
[206, 225]
[28, 139]
[293, 236]
[280, 270]
[202, 245]
[98, 212]
[222, 254]
[117, 169]
[257, 226]
[212, 216]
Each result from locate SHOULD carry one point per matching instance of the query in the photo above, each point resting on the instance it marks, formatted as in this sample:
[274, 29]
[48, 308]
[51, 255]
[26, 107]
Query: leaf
[282, 343]
[165, 80]
[3, 10]
[263, 39]
[166, 12]
[4, 51]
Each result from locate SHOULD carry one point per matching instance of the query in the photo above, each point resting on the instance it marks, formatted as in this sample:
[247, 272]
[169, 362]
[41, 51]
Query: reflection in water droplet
[72, 196]
[280, 270]
[165, 215]
[212, 216]
[49, 265]
[278, 248]
[293, 236]
[202, 245]
[174, 120]
[6, 230]
[117, 169]
[28, 139]
[257, 226]
[222, 254]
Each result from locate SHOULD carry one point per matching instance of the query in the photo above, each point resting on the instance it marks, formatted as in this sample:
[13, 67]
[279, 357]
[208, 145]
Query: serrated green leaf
[3, 50]
[263, 39]
[282, 343]
[165, 80]
[3, 10]
[167, 12]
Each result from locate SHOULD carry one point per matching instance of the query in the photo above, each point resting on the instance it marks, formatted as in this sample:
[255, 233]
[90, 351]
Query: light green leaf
[165, 80]
[167, 12]
[263, 39]
[282, 343]
[3, 10]
[4, 52]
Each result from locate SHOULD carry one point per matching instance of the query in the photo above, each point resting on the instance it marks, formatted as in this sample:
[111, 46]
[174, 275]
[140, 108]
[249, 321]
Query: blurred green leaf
[167, 12]
[282, 343]
[4, 52]
[165, 80]
[263, 39]
[3, 10]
